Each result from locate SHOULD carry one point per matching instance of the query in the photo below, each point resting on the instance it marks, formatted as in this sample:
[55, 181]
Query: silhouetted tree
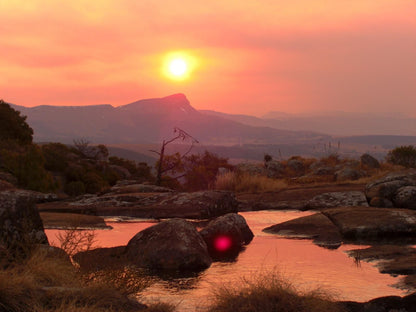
[163, 166]
[13, 126]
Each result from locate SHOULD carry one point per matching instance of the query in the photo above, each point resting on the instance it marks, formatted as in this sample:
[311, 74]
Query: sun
[178, 67]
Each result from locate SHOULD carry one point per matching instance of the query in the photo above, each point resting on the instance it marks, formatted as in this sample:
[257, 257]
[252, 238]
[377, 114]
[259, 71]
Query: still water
[304, 264]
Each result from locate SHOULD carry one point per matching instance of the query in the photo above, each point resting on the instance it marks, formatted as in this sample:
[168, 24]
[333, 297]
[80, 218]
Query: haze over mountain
[334, 122]
[150, 121]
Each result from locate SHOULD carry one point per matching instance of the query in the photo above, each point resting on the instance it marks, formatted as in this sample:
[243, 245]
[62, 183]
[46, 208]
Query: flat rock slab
[369, 223]
[338, 199]
[197, 205]
[56, 220]
[317, 227]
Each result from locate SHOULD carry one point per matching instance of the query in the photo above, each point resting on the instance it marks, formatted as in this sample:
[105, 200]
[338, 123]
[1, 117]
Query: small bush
[403, 156]
[245, 182]
[270, 294]
[75, 188]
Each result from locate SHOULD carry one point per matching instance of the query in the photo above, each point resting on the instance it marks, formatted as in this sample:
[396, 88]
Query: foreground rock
[20, 223]
[337, 199]
[382, 304]
[330, 227]
[317, 227]
[226, 236]
[373, 224]
[173, 245]
[197, 205]
[394, 190]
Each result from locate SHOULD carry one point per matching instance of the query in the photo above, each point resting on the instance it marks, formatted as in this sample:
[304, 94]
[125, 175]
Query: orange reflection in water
[304, 264]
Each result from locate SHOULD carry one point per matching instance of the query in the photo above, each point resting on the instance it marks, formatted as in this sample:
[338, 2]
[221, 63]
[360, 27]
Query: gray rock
[5, 176]
[274, 169]
[381, 202]
[250, 168]
[138, 188]
[20, 224]
[406, 197]
[336, 199]
[296, 166]
[226, 235]
[317, 227]
[387, 186]
[323, 170]
[173, 245]
[348, 174]
[196, 205]
[368, 161]
[369, 223]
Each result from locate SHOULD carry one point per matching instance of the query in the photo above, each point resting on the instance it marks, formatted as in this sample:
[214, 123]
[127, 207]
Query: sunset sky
[246, 57]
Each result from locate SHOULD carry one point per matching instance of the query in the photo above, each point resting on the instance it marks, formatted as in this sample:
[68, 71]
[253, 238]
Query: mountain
[150, 121]
[334, 123]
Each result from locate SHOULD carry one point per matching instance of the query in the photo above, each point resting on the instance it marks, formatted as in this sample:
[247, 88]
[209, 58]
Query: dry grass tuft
[270, 293]
[42, 283]
[244, 182]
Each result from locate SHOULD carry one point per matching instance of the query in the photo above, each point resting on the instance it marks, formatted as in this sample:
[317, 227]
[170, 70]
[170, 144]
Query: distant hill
[334, 123]
[150, 121]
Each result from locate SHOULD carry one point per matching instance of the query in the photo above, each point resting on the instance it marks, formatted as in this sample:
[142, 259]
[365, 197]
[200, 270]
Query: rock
[274, 169]
[34, 196]
[226, 235]
[387, 186]
[138, 188]
[172, 245]
[20, 224]
[350, 174]
[405, 197]
[323, 171]
[4, 185]
[5, 176]
[101, 258]
[369, 223]
[317, 227]
[197, 205]
[250, 168]
[296, 166]
[337, 199]
[56, 220]
[368, 161]
[403, 265]
[381, 202]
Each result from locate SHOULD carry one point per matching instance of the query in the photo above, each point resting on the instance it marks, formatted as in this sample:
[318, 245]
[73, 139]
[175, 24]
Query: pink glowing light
[222, 243]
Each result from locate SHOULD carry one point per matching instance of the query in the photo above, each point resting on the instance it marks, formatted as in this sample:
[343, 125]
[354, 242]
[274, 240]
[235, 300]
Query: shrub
[56, 155]
[403, 156]
[93, 182]
[269, 294]
[13, 126]
[245, 182]
[75, 188]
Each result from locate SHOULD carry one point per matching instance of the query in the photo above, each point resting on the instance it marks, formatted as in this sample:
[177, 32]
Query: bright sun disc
[178, 67]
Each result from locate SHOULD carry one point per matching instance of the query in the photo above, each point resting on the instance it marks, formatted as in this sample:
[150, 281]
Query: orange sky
[251, 56]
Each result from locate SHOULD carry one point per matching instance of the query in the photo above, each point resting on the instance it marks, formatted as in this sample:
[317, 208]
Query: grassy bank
[45, 283]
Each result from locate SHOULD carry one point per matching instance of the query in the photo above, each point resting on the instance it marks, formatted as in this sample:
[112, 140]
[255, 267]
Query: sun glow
[178, 65]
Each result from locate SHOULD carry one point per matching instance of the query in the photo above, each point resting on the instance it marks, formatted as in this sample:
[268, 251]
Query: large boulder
[317, 227]
[336, 199]
[226, 235]
[388, 186]
[405, 197]
[369, 223]
[368, 161]
[20, 224]
[172, 245]
[349, 174]
[197, 205]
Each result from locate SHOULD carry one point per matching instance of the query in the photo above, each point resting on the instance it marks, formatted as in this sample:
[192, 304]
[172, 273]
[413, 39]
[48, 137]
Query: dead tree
[179, 135]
